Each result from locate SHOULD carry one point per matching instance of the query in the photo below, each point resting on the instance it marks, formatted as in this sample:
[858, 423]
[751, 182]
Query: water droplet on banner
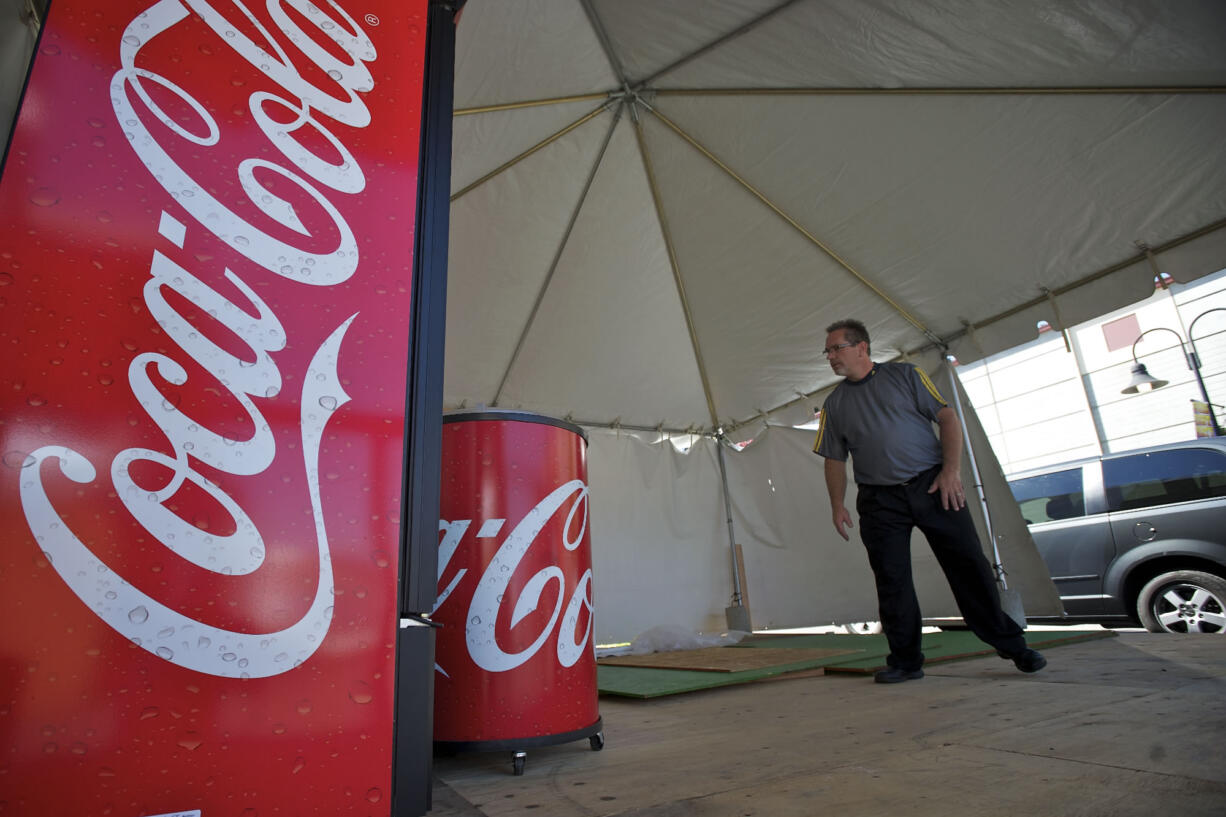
[18, 459]
[360, 692]
[138, 615]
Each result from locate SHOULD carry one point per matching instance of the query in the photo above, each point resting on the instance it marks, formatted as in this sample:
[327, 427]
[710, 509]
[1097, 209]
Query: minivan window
[1048, 497]
[1163, 477]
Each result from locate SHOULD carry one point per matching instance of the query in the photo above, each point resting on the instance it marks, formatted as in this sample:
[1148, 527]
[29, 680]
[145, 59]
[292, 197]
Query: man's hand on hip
[949, 483]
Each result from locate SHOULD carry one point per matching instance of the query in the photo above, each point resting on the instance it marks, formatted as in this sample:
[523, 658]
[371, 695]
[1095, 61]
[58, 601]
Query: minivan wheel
[1183, 601]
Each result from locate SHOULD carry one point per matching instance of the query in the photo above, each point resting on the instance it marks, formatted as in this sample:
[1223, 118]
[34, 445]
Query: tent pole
[970, 453]
[543, 143]
[777, 210]
[711, 46]
[1010, 600]
[1133, 90]
[667, 235]
[603, 37]
[557, 257]
[737, 614]
[530, 103]
[1083, 281]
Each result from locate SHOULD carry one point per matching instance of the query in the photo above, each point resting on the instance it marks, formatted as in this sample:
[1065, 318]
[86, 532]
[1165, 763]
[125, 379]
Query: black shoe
[1028, 661]
[894, 675]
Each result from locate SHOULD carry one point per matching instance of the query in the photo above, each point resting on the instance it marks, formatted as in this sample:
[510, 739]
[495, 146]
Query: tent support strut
[723, 476]
[951, 91]
[557, 258]
[777, 210]
[543, 143]
[672, 261]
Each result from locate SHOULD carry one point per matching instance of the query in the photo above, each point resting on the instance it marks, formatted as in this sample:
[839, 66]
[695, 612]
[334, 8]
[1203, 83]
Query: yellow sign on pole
[1200, 415]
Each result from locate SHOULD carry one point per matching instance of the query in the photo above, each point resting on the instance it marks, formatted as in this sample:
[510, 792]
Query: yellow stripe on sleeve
[821, 429]
[928, 384]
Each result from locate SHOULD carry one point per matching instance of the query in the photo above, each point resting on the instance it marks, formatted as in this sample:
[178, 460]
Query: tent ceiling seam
[796, 225]
[548, 140]
[557, 258]
[716, 43]
[603, 36]
[676, 269]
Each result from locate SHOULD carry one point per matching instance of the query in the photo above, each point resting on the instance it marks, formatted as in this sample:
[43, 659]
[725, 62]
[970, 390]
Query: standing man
[882, 416]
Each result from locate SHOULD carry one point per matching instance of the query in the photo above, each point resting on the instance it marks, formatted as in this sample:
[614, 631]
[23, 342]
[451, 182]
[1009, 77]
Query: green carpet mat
[647, 682]
[947, 645]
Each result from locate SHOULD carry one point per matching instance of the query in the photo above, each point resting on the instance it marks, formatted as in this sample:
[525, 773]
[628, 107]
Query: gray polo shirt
[884, 422]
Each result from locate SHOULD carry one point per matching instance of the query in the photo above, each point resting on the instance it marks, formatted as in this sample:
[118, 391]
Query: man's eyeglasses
[830, 350]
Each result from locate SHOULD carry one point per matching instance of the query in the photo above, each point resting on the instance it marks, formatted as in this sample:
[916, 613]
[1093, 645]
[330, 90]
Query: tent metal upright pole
[723, 476]
[983, 500]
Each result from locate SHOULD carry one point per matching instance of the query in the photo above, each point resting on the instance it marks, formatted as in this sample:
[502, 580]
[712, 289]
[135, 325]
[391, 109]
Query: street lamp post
[1143, 381]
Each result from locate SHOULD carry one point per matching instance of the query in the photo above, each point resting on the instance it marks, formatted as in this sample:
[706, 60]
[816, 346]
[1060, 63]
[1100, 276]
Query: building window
[1121, 332]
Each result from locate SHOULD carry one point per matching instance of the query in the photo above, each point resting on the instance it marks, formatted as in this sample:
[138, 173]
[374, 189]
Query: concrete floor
[1131, 725]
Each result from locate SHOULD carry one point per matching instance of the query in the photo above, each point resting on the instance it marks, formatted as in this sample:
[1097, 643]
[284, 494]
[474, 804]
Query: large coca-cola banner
[516, 659]
[205, 259]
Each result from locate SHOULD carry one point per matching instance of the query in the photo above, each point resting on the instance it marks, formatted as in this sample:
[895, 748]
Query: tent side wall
[660, 547]
[18, 36]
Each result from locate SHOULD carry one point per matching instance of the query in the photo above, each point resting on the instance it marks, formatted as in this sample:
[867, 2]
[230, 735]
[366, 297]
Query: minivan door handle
[1144, 532]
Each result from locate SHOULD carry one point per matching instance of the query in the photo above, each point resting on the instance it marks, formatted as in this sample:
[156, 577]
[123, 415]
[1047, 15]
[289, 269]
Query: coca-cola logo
[246, 379]
[490, 596]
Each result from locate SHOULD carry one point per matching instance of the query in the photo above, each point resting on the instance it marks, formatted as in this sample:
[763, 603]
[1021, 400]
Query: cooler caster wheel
[517, 762]
[597, 741]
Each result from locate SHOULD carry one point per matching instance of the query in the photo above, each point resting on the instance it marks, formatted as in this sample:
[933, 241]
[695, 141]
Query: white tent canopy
[658, 207]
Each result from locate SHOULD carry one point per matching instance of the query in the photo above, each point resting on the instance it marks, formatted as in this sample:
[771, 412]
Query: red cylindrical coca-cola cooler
[516, 664]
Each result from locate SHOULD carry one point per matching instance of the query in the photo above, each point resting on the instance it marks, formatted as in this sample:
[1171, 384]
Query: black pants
[887, 516]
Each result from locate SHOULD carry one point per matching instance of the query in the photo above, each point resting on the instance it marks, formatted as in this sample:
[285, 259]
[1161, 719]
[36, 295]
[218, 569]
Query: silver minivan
[1136, 536]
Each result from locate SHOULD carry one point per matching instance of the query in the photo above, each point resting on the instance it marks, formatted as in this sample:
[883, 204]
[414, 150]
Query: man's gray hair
[853, 330]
